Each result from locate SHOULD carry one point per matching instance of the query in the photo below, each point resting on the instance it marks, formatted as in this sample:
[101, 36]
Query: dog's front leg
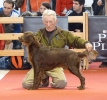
[38, 79]
[36, 71]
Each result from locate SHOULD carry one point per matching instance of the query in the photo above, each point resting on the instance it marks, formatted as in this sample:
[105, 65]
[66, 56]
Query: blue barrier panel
[97, 35]
[35, 23]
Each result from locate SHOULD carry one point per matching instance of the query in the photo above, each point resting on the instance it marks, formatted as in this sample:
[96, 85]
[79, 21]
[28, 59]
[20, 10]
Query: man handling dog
[53, 36]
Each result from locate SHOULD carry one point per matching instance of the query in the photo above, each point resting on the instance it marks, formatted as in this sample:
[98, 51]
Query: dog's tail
[81, 54]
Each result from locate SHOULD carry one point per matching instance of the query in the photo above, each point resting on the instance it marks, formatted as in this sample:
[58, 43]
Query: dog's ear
[36, 42]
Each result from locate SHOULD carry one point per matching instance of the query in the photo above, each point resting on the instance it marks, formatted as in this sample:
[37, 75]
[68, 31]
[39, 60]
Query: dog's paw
[81, 87]
[31, 88]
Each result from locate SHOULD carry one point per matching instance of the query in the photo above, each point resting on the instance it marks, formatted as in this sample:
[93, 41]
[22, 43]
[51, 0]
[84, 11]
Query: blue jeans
[16, 44]
[4, 62]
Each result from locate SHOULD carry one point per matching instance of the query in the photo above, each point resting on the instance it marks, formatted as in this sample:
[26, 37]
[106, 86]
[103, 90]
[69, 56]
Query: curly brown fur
[45, 58]
[88, 59]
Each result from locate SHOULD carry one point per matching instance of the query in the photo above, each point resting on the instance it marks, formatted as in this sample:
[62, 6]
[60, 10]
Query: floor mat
[96, 87]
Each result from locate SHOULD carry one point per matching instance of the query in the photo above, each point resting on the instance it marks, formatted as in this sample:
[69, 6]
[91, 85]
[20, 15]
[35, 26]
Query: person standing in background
[53, 4]
[29, 5]
[77, 10]
[62, 6]
[44, 6]
[98, 6]
[2, 43]
[8, 11]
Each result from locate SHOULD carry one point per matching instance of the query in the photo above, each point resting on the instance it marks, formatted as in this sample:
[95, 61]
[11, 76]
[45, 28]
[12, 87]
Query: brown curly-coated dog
[44, 58]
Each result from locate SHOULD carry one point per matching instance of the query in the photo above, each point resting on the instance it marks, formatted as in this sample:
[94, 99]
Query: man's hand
[99, 2]
[77, 30]
[89, 46]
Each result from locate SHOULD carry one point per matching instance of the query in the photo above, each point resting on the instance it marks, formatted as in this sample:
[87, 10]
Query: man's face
[76, 6]
[7, 9]
[49, 22]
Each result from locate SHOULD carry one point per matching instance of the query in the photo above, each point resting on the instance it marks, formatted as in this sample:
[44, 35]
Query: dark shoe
[103, 65]
[45, 82]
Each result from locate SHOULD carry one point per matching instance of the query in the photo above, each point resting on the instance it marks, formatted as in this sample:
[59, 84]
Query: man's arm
[75, 41]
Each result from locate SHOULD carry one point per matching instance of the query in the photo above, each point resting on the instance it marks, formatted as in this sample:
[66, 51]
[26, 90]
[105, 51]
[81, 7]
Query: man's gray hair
[49, 13]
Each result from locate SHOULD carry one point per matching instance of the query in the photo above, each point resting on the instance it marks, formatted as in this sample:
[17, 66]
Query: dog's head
[28, 38]
[91, 55]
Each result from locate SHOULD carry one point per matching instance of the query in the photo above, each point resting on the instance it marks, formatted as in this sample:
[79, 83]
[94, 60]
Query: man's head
[78, 5]
[49, 20]
[8, 6]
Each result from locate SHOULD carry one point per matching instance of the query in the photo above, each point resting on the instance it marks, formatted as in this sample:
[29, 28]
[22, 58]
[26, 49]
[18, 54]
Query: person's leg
[58, 78]
[16, 44]
[54, 5]
[57, 75]
[97, 10]
[28, 80]
[103, 64]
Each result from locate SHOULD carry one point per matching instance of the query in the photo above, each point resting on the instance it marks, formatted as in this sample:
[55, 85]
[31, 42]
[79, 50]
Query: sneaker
[45, 82]
[103, 65]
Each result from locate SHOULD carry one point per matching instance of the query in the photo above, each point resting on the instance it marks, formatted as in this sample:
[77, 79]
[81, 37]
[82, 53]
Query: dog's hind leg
[75, 70]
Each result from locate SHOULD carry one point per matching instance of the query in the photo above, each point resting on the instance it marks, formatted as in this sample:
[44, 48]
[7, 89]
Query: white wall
[1, 3]
[88, 2]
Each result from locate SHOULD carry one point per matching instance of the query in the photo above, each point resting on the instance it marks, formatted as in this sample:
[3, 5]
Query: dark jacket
[96, 8]
[73, 26]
